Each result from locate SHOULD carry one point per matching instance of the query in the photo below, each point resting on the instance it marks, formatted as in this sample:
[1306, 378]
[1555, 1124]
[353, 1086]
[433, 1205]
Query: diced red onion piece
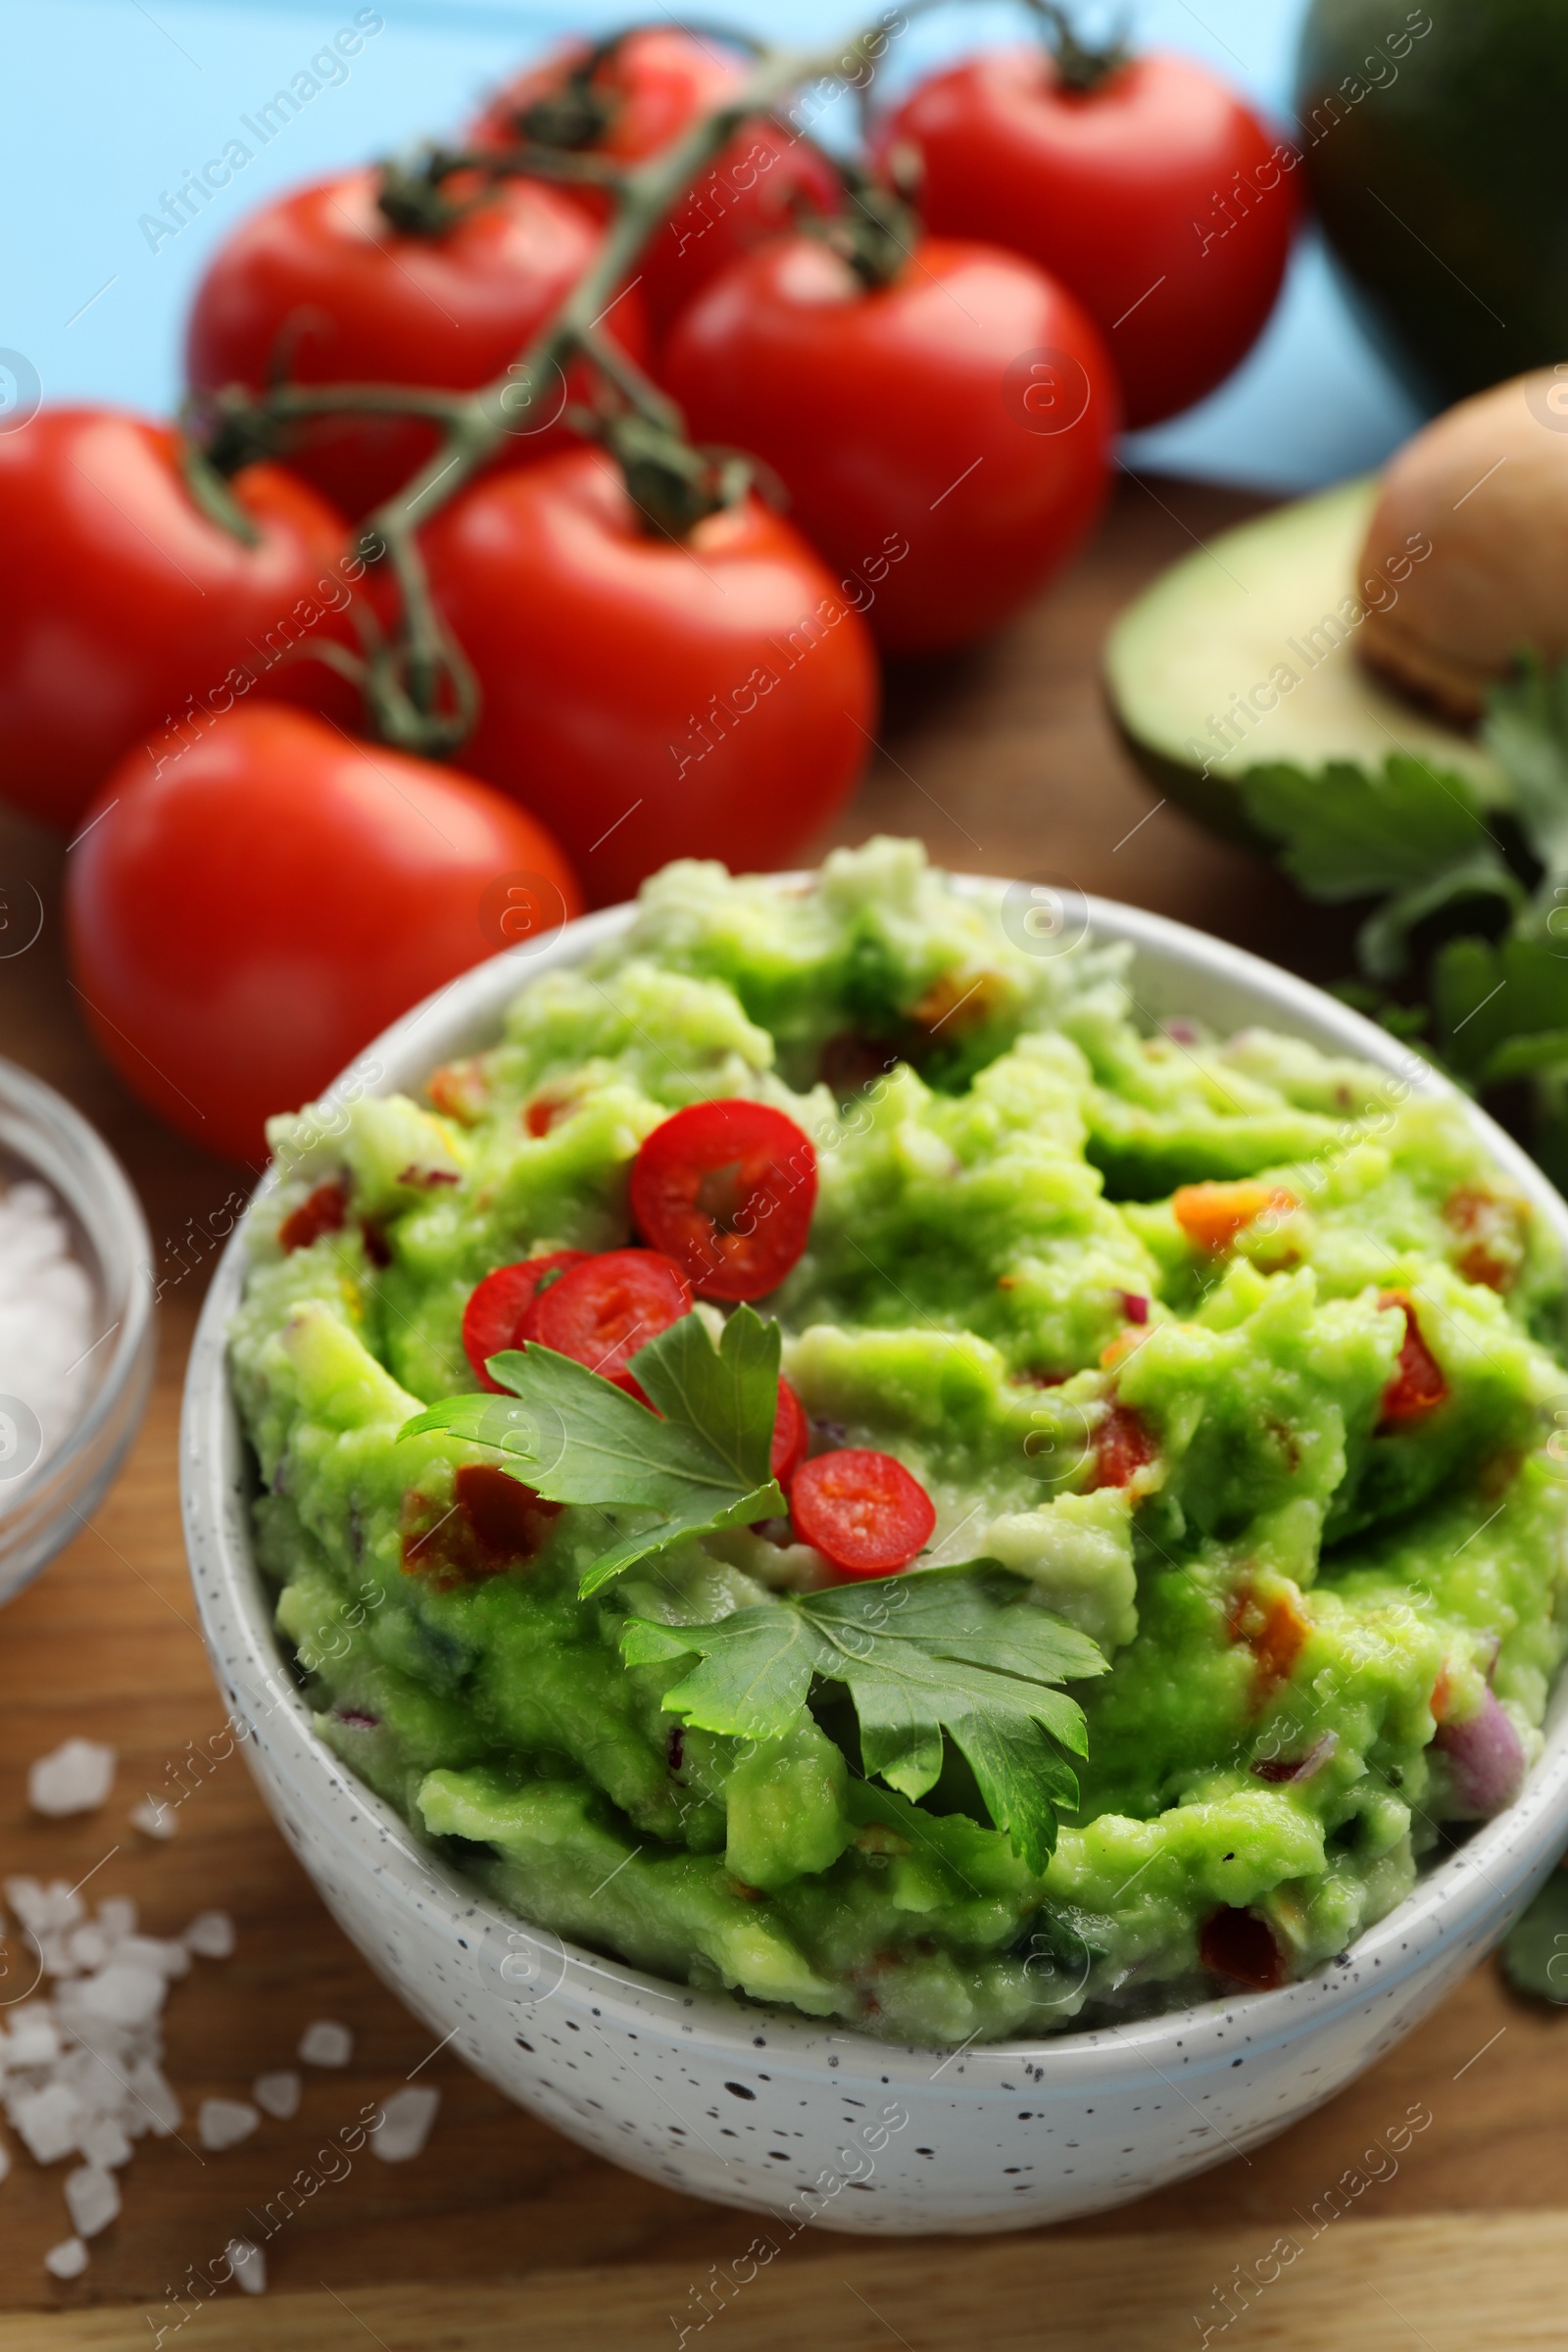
[1297, 1768]
[1485, 1759]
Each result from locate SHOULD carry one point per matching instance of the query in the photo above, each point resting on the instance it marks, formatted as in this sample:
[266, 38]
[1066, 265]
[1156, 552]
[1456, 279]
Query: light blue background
[104, 103]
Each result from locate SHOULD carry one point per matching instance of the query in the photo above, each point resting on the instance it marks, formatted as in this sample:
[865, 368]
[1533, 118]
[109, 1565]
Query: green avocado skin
[1435, 157]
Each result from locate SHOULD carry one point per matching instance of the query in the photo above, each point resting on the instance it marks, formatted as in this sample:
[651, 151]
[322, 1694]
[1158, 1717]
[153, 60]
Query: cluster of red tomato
[256, 890]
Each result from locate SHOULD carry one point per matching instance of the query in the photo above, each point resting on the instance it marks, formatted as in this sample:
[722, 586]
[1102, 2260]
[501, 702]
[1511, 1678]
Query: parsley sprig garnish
[1472, 895]
[961, 1651]
[959, 1654]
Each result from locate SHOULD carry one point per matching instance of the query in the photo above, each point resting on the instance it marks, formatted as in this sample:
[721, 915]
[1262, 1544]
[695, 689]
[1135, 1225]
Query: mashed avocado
[1239, 1358]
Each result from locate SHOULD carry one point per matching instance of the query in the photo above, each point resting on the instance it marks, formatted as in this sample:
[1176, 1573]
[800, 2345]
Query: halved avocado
[1244, 653]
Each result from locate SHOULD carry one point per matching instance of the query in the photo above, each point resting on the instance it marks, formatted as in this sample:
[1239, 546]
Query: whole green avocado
[1433, 139]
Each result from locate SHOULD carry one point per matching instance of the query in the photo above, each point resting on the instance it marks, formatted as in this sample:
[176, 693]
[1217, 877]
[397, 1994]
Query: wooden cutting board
[502, 2233]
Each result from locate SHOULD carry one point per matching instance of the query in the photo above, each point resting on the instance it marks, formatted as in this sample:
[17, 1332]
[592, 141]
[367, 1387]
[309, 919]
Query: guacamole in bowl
[1227, 1370]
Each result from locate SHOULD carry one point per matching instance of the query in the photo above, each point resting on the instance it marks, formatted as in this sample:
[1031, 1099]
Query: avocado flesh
[1266, 613]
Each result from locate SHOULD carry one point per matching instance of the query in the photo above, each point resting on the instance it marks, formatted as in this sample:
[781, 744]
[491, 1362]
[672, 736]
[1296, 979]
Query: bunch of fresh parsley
[1472, 911]
[927, 1656]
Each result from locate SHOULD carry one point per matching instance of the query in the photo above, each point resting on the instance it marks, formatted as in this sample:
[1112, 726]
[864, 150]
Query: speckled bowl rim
[1494, 1871]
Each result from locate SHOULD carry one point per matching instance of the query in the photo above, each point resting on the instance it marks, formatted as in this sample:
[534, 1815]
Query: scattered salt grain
[32, 2040]
[327, 2043]
[154, 1818]
[278, 2094]
[210, 1936]
[47, 1309]
[68, 2260]
[48, 2121]
[106, 2144]
[405, 2124]
[121, 1993]
[93, 2197]
[75, 1779]
[249, 2265]
[224, 2122]
[117, 1916]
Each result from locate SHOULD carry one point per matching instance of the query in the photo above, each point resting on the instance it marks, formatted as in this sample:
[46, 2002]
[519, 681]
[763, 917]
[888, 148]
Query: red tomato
[791, 1436]
[324, 1210]
[320, 283]
[906, 422]
[651, 87]
[244, 921]
[1418, 1385]
[1124, 1445]
[727, 1190]
[132, 614]
[863, 1511]
[651, 698]
[1157, 196]
[493, 1318]
[603, 1312]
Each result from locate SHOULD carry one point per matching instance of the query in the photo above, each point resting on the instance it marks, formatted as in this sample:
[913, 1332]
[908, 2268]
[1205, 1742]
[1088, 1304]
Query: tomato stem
[1079, 67]
[421, 693]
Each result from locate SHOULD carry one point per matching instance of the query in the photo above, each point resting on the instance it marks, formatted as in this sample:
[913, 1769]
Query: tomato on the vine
[245, 921]
[650, 696]
[633, 98]
[1155, 194]
[133, 614]
[943, 437]
[322, 286]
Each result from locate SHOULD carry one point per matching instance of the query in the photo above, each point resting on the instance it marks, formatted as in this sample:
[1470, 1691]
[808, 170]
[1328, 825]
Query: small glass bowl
[43, 1138]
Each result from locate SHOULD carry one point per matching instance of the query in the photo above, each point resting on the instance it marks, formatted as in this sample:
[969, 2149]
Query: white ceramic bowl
[762, 2108]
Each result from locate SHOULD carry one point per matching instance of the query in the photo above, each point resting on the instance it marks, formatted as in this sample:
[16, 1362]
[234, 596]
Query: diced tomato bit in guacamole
[1493, 1232]
[1240, 1945]
[1442, 1695]
[1124, 1445]
[546, 1112]
[326, 1211]
[1418, 1385]
[1212, 1215]
[425, 1180]
[494, 1522]
[459, 1090]
[961, 1002]
[1274, 1631]
[1134, 1306]
[848, 1061]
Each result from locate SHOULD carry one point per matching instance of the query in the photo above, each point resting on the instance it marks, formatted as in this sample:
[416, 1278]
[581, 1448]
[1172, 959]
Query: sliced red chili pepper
[603, 1312]
[326, 1211]
[1242, 1946]
[492, 1320]
[1418, 1384]
[1124, 1445]
[791, 1436]
[863, 1511]
[726, 1189]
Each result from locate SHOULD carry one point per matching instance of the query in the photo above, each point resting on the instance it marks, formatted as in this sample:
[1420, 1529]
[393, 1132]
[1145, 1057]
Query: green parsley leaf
[1502, 1010]
[1526, 730]
[1407, 830]
[576, 1438]
[962, 1651]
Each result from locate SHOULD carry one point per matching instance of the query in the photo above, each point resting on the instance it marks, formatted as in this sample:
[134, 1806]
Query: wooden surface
[503, 2233]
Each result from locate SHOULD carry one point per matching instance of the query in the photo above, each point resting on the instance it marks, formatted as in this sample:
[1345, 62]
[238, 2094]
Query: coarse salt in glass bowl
[76, 1330]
